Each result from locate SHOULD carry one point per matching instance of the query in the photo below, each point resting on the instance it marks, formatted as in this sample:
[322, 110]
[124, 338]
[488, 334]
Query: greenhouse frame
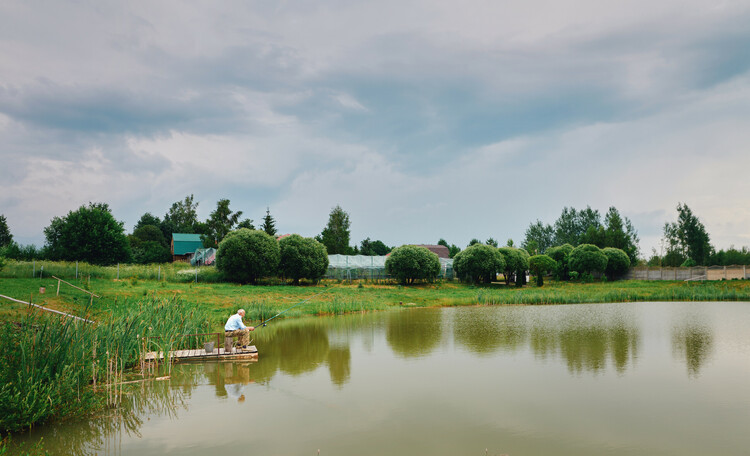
[364, 267]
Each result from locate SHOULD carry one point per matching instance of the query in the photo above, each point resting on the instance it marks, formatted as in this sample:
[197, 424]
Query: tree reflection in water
[414, 332]
[490, 333]
[693, 343]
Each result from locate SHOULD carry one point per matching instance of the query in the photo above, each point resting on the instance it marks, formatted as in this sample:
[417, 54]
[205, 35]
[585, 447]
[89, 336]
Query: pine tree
[269, 224]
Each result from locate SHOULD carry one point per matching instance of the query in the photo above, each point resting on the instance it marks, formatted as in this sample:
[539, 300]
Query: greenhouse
[363, 267]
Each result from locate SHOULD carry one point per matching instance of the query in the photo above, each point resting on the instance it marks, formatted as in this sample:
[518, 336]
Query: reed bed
[54, 367]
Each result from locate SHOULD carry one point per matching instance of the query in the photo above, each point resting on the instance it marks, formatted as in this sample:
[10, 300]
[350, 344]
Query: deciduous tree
[687, 236]
[335, 235]
[220, 222]
[5, 237]
[302, 258]
[410, 262]
[88, 234]
[540, 265]
[587, 258]
[245, 255]
[478, 263]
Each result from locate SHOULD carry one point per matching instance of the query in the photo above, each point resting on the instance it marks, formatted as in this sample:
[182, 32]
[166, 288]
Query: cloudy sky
[422, 119]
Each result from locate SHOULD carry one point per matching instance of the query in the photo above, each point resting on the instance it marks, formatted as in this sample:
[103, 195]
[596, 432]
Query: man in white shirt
[236, 328]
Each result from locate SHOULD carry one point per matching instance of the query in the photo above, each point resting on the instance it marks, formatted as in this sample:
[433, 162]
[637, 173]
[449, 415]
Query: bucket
[209, 347]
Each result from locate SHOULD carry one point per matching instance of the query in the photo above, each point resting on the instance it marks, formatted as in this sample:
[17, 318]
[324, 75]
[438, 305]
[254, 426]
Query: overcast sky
[422, 119]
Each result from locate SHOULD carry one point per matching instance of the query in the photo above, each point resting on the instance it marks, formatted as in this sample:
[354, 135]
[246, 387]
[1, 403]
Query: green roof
[186, 243]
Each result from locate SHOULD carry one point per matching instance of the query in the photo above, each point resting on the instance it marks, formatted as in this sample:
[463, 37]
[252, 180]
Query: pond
[595, 379]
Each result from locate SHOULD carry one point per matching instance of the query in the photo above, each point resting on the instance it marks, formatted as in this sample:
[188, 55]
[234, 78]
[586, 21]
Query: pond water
[602, 379]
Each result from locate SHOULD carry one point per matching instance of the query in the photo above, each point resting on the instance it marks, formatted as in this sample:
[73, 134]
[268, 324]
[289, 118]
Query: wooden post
[58, 287]
[118, 271]
[158, 277]
[76, 269]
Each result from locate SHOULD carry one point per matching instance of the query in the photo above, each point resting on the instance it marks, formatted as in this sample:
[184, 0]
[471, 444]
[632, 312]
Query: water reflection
[694, 344]
[414, 333]
[486, 334]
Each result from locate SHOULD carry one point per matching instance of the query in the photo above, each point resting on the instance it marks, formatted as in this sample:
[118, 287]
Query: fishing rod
[264, 323]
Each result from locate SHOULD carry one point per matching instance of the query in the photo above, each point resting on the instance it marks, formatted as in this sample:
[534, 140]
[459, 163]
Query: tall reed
[53, 367]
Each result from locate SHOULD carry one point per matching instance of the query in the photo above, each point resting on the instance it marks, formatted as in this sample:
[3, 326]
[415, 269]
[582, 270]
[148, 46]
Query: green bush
[409, 263]
[618, 262]
[561, 254]
[479, 262]
[587, 258]
[302, 257]
[540, 265]
[247, 255]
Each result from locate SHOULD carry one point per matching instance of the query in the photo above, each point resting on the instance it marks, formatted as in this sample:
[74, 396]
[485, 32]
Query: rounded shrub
[618, 262]
[478, 263]
[409, 263]
[587, 258]
[302, 258]
[561, 254]
[541, 265]
[247, 255]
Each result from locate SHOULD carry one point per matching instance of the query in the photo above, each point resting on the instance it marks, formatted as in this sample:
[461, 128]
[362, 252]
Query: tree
[587, 258]
[492, 242]
[516, 265]
[539, 237]
[182, 217]
[478, 263]
[409, 263]
[571, 226]
[373, 248]
[5, 237]
[688, 237]
[88, 234]
[148, 245]
[220, 222]
[245, 256]
[618, 262]
[247, 223]
[302, 257]
[620, 234]
[147, 219]
[335, 235]
[561, 255]
[150, 233]
[474, 241]
[540, 265]
[269, 224]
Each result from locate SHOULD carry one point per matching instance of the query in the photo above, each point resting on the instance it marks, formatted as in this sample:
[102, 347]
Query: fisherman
[235, 328]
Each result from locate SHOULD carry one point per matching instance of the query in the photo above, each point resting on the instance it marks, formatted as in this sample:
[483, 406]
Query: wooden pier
[250, 353]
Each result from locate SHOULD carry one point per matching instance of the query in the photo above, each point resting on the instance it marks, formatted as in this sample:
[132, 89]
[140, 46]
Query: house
[184, 245]
[440, 250]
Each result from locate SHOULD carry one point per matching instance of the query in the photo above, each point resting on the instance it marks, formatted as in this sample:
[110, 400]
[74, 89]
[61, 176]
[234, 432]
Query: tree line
[92, 234]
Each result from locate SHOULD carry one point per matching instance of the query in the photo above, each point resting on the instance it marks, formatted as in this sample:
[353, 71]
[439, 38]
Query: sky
[422, 119]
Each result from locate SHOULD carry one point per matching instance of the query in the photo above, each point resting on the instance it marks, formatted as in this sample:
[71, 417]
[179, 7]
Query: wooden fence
[736, 272]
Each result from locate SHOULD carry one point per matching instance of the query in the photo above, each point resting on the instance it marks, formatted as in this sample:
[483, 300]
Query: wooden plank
[61, 280]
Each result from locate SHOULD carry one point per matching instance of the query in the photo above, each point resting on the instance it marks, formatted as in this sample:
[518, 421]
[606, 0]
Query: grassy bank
[219, 300]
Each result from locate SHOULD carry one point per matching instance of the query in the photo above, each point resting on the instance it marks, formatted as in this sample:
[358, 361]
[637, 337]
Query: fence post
[41, 273]
[196, 274]
[118, 271]
[58, 287]
[76, 269]
[33, 274]
[158, 277]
